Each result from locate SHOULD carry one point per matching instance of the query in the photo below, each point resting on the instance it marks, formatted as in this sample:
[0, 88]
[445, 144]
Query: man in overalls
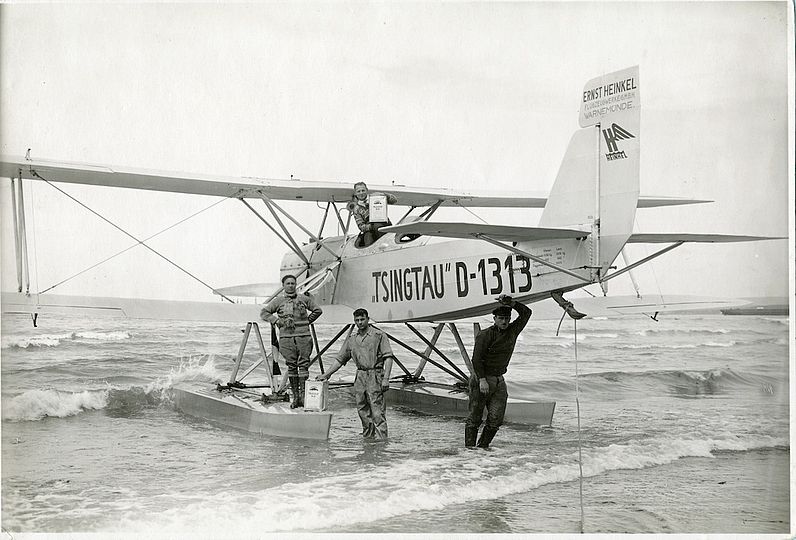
[371, 351]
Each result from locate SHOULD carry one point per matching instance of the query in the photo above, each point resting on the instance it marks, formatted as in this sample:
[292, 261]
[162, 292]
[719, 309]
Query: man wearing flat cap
[491, 356]
[293, 313]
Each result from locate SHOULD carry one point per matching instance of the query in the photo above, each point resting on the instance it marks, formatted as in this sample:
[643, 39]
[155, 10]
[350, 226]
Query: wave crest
[38, 404]
[53, 340]
[413, 485]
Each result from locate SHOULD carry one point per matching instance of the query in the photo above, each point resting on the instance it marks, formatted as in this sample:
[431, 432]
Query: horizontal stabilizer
[666, 238]
[473, 230]
[622, 306]
[656, 202]
[606, 306]
[141, 308]
[277, 189]
[250, 290]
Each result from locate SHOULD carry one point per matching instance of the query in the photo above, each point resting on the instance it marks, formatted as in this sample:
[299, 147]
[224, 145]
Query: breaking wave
[53, 340]
[38, 404]
[414, 485]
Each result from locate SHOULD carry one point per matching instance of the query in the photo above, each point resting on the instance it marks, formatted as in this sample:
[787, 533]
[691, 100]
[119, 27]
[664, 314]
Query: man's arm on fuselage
[524, 315]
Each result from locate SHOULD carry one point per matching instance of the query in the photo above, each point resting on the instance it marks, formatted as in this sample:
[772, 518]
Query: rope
[577, 412]
[131, 236]
[577, 408]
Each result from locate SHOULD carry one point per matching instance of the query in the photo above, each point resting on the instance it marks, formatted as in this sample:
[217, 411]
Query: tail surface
[597, 184]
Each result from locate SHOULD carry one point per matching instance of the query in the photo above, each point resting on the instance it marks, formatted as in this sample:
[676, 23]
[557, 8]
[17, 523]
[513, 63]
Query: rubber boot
[302, 385]
[470, 435]
[294, 387]
[486, 436]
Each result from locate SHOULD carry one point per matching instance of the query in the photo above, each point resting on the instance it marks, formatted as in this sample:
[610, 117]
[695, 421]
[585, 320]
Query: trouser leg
[377, 405]
[304, 353]
[496, 405]
[363, 405]
[304, 345]
[496, 410]
[476, 405]
[294, 389]
[290, 352]
[470, 435]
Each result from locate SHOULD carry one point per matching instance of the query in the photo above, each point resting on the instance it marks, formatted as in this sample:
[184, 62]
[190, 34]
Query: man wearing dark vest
[491, 356]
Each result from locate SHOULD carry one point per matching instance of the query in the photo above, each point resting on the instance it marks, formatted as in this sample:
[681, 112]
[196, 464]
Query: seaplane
[416, 271]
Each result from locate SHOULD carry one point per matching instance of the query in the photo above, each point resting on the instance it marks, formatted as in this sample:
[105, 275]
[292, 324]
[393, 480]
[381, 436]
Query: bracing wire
[125, 250]
[473, 213]
[141, 242]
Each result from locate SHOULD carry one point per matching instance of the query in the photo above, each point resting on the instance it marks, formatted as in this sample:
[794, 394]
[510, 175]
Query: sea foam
[53, 340]
[38, 404]
[412, 485]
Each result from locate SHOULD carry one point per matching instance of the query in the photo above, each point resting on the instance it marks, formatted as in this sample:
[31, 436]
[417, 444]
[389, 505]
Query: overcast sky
[480, 96]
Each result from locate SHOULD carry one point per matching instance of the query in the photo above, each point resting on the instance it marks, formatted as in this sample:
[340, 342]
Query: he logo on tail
[612, 134]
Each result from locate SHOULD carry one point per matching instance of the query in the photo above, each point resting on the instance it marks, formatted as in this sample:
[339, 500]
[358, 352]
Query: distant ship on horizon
[778, 307]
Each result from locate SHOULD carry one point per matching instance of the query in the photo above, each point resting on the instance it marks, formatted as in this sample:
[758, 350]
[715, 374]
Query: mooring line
[577, 409]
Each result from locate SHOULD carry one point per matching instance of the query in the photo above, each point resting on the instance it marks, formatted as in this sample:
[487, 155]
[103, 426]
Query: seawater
[683, 429]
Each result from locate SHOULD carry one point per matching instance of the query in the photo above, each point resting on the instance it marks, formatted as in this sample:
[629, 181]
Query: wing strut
[632, 277]
[17, 247]
[256, 213]
[294, 245]
[343, 226]
[642, 261]
[315, 239]
[23, 236]
[532, 257]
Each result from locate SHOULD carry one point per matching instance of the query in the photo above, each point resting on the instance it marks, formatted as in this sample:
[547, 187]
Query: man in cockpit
[359, 206]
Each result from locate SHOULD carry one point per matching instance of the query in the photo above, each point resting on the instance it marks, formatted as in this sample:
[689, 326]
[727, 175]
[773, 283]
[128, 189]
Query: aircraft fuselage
[431, 279]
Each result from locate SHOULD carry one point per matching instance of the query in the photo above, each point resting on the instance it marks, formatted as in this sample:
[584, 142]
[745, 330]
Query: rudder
[603, 158]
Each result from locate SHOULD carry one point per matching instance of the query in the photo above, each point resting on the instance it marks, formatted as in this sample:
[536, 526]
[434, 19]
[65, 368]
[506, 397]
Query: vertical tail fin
[598, 183]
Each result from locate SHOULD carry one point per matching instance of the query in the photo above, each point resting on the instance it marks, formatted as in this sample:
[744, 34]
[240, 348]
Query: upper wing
[472, 230]
[665, 238]
[253, 187]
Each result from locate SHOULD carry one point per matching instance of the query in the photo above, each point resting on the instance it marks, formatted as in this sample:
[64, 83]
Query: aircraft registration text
[486, 276]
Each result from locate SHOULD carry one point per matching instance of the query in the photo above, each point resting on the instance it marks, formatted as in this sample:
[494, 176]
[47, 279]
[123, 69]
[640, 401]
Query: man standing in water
[371, 351]
[491, 356]
[293, 313]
